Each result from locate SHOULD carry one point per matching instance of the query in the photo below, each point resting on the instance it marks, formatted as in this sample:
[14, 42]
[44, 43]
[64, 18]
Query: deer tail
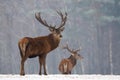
[23, 45]
[21, 54]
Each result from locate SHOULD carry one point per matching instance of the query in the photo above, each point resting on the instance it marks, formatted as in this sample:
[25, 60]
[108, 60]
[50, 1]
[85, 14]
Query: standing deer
[41, 46]
[66, 65]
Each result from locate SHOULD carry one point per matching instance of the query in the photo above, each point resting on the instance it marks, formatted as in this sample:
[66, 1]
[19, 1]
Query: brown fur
[65, 66]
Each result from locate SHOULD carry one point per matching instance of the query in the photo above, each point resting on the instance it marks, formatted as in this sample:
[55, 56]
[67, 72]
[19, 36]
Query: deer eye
[61, 29]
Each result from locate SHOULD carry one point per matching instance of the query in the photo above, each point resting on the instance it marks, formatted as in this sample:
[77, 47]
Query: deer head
[53, 29]
[73, 52]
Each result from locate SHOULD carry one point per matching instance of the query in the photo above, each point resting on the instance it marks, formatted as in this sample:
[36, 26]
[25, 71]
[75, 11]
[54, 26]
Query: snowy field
[60, 77]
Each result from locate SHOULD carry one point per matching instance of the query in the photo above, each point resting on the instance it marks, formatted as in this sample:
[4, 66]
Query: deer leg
[44, 65]
[41, 63]
[22, 66]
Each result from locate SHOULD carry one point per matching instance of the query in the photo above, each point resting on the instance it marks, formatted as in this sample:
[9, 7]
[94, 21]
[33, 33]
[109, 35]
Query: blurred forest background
[92, 24]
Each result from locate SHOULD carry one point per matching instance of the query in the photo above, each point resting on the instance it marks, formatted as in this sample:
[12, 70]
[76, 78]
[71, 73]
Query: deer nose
[60, 35]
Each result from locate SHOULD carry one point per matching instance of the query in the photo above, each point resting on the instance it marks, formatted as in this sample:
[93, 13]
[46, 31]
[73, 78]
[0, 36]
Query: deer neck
[53, 41]
[73, 60]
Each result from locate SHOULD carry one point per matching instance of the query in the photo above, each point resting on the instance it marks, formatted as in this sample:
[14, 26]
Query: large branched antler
[38, 17]
[71, 50]
[63, 19]
[66, 47]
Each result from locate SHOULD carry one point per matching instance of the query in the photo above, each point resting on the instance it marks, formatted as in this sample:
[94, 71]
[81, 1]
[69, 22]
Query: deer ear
[51, 29]
[72, 54]
[62, 28]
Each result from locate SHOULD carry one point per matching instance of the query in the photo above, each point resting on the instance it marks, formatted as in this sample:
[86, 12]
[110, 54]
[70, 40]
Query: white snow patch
[60, 77]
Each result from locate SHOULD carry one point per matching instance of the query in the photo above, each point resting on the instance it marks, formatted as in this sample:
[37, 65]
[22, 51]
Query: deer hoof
[22, 74]
[39, 73]
[45, 73]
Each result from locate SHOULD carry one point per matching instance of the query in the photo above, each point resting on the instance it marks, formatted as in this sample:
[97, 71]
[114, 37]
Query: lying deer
[41, 46]
[66, 65]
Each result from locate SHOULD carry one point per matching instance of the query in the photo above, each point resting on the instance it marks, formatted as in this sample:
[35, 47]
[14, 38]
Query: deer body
[66, 65]
[41, 46]
[38, 45]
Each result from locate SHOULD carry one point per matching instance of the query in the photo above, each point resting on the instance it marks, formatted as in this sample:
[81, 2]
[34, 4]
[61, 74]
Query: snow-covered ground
[60, 77]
